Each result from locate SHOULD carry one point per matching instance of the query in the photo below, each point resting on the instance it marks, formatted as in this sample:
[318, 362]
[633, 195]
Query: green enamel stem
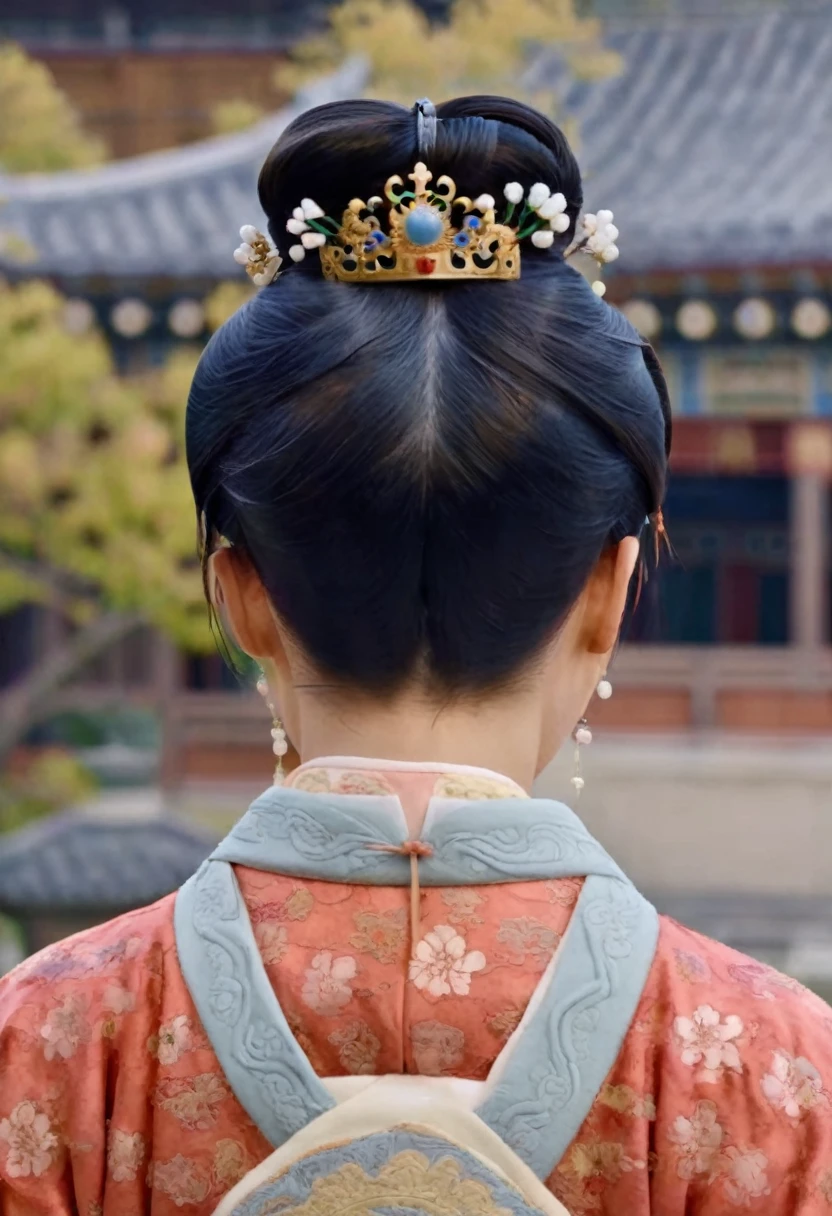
[319, 226]
[534, 227]
[509, 213]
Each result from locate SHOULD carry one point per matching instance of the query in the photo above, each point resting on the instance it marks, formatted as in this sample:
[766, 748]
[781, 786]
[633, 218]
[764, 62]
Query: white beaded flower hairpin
[545, 206]
[259, 256]
[305, 223]
[597, 238]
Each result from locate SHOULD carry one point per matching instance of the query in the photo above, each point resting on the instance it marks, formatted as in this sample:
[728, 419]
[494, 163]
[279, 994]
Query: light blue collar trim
[331, 836]
[561, 1058]
[559, 1064]
[222, 967]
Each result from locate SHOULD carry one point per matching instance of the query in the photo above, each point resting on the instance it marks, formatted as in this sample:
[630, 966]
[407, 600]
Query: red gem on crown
[425, 265]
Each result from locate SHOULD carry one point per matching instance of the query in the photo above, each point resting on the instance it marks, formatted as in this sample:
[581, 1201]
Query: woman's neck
[501, 734]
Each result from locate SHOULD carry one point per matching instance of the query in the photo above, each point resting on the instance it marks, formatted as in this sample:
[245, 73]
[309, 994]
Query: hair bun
[348, 149]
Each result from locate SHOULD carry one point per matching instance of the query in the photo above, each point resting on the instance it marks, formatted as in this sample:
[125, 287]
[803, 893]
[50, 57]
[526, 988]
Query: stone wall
[709, 814]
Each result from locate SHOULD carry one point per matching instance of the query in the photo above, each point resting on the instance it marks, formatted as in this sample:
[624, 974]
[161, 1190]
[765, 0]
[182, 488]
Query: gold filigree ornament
[408, 1182]
[258, 255]
[424, 230]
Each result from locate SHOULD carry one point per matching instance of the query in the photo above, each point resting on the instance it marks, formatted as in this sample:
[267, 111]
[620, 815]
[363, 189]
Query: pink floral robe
[112, 1102]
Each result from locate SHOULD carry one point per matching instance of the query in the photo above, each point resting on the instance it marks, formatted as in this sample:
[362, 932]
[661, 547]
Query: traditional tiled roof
[712, 147]
[173, 214]
[82, 860]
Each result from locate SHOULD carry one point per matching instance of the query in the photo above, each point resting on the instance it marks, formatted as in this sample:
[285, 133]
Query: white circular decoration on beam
[644, 315]
[755, 318]
[696, 320]
[811, 318]
[186, 318]
[78, 316]
[131, 318]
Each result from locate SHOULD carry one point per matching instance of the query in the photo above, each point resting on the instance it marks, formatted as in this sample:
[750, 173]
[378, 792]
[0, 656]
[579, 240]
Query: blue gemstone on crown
[423, 225]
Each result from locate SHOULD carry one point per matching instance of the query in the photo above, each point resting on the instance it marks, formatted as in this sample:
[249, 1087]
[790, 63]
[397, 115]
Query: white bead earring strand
[280, 744]
[583, 738]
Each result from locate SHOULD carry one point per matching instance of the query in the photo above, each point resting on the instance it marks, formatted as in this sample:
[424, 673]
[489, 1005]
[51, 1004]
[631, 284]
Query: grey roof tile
[713, 146]
[75, 859]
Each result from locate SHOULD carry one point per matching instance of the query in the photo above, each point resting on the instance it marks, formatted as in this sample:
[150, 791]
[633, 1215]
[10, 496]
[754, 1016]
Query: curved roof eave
[128, 218]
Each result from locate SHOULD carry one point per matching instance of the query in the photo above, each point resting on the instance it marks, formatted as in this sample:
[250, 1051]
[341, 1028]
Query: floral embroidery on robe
[113, 1103]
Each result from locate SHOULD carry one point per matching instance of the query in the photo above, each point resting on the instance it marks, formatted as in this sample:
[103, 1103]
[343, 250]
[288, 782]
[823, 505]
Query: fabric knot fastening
[414, 849]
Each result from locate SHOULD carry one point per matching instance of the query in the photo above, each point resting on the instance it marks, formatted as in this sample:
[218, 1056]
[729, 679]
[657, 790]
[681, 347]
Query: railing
[221, 737]
[725, 667]
[720, 668]
[708, 680]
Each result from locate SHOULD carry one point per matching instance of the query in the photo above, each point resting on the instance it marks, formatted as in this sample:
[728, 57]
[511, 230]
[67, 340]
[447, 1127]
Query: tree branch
[59, 583]
[27, 700]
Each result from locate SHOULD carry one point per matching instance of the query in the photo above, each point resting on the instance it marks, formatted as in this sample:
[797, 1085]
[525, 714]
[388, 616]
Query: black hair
[424, 475]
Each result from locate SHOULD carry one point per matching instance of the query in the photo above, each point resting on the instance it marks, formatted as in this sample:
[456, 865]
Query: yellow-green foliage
[52, 780]
[95, 504]
[483, 48]
[236, 114]
[39, 130]
[226, 299]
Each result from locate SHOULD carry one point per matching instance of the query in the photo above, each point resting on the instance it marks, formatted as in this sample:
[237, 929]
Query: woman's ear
[239, 596]
[605, 596]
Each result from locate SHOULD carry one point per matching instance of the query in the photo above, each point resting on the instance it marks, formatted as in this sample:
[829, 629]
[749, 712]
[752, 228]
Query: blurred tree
[39, 130]
[52, 780]
[483, 47]
[226, 299]
[96, 517]
[234, 115]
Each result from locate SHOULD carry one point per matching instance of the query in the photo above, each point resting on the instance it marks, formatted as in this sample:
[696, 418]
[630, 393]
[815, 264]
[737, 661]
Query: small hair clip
[258, 255]
[660, 536]
[203, 537]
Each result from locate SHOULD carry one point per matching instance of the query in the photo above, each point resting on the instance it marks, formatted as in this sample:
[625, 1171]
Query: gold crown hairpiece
[428, 231]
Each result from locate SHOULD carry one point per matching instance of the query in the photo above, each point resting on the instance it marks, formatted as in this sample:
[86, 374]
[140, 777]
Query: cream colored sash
[394, 1143]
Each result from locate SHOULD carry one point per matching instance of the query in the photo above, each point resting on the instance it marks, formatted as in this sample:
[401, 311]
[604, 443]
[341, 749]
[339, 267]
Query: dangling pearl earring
[583, 737]
[280, 745]
[604, 689]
